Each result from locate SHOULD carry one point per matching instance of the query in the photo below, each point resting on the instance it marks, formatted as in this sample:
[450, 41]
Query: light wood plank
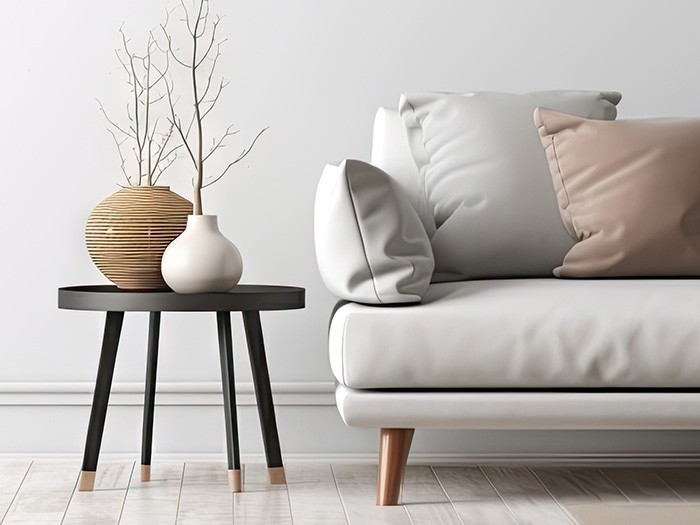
[473, 497]
[636, 514]
[357, 486]
[206, 496]
[684, 481]
[313, 495]
[44, 494]
[572, 486]
[641, 485]
[13, 474]
[319, 493]
[104, 504]
[424, 499]
[155, 501]
[525, 496]
[261, 503]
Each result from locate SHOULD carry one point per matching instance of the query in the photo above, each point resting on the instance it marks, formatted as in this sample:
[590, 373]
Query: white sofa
[532, 353]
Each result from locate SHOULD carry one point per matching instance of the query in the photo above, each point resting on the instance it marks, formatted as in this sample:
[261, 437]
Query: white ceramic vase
[201, 259]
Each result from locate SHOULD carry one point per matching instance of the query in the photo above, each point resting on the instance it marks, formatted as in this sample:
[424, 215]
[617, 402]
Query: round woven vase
[127, 233]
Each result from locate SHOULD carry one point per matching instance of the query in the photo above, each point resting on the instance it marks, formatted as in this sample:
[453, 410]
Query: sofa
[428, 333]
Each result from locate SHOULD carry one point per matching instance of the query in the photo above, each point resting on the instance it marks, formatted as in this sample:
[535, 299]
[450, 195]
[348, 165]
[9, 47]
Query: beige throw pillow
[629, 191]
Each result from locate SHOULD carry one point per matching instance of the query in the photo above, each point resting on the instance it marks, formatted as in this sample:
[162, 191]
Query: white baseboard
[50, 420]
[316, 393]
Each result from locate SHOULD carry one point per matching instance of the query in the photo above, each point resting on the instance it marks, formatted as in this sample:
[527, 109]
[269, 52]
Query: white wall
[315, 72]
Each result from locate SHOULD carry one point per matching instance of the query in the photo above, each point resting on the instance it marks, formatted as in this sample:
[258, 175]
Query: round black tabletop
[244, 297]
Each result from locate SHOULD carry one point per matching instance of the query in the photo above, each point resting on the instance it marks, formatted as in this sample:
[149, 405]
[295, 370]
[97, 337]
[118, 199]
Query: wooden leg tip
[394, 447]
[276, 475]
[235, 480]
[387, 502]
[87, 481]
[145, 473]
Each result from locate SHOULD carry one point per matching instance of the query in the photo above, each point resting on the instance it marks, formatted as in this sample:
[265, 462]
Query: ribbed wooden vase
[127, 233]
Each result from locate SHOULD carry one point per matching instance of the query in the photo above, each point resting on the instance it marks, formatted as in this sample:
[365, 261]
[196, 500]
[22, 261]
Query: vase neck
[203, 222]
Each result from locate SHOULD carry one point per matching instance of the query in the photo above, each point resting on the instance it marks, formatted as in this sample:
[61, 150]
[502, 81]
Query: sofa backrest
[473, 168]
[391, 153]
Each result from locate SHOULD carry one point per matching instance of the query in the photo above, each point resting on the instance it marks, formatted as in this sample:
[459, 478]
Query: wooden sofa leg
[394, 444]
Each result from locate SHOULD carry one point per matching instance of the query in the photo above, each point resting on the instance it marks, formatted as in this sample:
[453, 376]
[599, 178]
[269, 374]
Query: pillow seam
[563, 186]
[362, 239]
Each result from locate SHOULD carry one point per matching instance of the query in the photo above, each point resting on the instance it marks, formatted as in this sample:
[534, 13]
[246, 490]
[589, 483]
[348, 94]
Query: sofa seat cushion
[525, 333]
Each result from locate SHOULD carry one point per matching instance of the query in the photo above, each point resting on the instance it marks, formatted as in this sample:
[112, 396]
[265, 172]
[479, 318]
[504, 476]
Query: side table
[250, 300]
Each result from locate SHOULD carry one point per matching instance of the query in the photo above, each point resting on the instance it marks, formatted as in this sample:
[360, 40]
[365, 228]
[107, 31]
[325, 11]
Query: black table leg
[149, 398]
[103, 385]
[223, 321]
[263, 394]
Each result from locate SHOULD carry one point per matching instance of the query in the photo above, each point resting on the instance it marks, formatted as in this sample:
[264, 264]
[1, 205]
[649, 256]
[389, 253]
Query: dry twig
[201, 64]
[144, 135]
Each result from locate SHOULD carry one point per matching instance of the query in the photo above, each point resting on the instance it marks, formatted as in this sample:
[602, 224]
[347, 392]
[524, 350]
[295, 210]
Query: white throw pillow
[487, 181]
[371, 246]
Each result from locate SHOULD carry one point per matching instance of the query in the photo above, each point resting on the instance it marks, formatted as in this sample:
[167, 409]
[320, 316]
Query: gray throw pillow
[487, 181]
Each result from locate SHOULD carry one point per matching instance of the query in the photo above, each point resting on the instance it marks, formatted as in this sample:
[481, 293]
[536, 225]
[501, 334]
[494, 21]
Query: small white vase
[201, 259]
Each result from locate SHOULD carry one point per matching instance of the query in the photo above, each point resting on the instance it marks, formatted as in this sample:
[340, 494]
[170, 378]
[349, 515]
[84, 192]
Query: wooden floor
[44, 492]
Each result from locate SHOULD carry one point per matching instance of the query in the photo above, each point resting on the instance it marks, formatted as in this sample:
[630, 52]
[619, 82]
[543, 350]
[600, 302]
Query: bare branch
[168, 38]
[213, 101]
[124, 66]
[169, 162]
[131, 70]
[121, 156]
[161, 74]
[171, 151]
[212, 41]
[113, 123]
[134, 82]
[187, 17]
[172, 51]
[152, 136]
[219, 144]
[204, 17]
[184, 140]
[197, 204]
[211, 74]
[243, 155]
[189, 126]
[205, 48]
[147, 83]
[144, 75]
[162, 146]
[158, 98]
[175, 122]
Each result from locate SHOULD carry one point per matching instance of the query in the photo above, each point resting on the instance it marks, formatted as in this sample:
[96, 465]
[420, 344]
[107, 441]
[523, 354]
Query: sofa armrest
[371, 246]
